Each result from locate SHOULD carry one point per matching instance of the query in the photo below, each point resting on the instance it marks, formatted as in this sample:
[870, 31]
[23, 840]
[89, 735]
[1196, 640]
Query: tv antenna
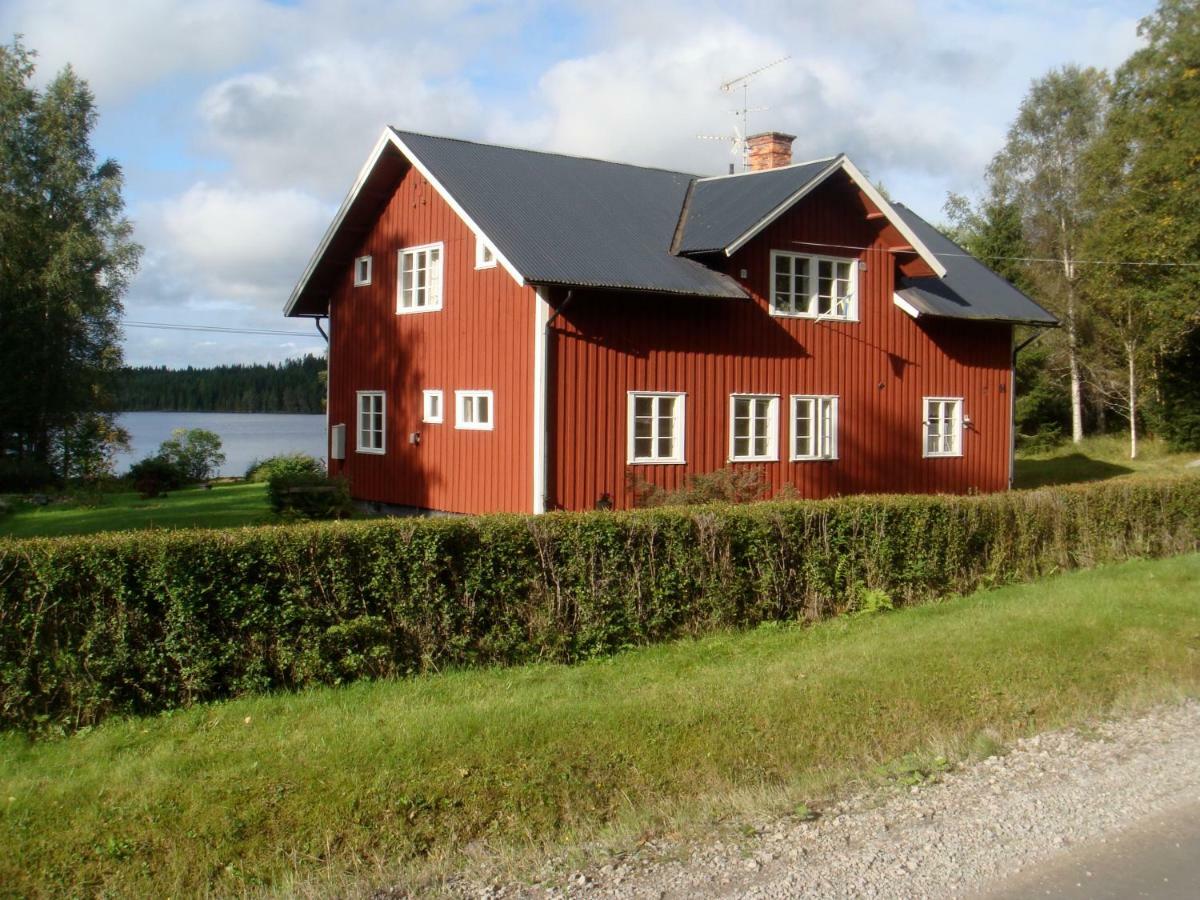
[741, 117]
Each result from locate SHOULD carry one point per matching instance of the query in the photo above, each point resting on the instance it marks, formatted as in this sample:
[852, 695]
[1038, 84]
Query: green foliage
[309, 495]
[293, 386]
[27, 474]
[140, 623]
[155, 475]
[66, 257]
[195, 452]
[1178, 414]
[284, 464]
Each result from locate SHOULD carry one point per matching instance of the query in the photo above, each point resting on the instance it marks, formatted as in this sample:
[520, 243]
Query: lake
[245, 437]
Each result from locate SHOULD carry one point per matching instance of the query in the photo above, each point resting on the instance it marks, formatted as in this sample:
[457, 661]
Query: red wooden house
[521, 331]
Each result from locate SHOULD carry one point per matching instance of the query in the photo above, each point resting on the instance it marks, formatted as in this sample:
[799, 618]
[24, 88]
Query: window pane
[643, 447]
[665, 450]
[803, 301]
[482, 410]
[741, 445]
[643, 406]
[760, 445]
[803, 426]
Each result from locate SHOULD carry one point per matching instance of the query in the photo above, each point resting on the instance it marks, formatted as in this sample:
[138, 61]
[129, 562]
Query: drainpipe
[1012, 413]
[547, 500]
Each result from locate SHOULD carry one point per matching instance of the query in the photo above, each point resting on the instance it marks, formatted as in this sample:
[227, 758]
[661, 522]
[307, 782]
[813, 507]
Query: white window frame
[460, 407]
[358, 422]
[956, 432]
[812, 263]
[772, 435]
[433, 279]
[362, 274]
[825, 428]
[482, 250]
[680, 421]
[428, 399]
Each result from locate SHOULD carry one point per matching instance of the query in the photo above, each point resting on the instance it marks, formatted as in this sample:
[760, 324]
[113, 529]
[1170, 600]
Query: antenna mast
[742, 130]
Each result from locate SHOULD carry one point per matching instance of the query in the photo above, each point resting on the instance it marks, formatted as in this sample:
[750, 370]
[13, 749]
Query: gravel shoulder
[962, 836]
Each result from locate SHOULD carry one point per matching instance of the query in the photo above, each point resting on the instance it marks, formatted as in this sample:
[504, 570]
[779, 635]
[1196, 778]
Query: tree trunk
[1076, 377]
[1130, 350]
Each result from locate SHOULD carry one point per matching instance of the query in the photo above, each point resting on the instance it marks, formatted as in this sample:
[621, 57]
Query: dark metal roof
[970, 289]
[572, 221]
[723, 209]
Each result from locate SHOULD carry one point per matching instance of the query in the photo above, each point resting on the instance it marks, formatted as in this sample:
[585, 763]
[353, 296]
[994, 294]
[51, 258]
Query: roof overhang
[357, 213]
[842, 164]
[911, 303]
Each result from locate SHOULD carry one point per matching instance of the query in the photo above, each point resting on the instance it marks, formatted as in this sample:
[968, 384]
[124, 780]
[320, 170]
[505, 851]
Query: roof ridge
[612, 162]
[807, 162]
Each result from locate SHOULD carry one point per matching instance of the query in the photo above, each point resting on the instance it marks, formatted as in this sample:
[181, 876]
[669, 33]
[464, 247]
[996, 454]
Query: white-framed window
[943, 426]
[431, 407]
[812, 287]
[371, 408]
[814, 426]
[655, 427]
[473, 410]
[419, 279]
[753, 427]
[362, 271]
[485, 255]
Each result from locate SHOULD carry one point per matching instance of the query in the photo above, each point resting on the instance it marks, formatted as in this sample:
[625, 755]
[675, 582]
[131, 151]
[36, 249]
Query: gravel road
[967, 835]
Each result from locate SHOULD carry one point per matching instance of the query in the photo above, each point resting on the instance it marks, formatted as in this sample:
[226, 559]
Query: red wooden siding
[608, 343]
[482, 339]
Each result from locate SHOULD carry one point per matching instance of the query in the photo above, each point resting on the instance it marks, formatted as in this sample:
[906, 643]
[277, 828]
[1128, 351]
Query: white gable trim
[906, 306]
[389, 137]
[842, 164]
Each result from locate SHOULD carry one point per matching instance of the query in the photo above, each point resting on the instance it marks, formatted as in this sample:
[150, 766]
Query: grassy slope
[341, 786]
[1097, 459]
[224, 506]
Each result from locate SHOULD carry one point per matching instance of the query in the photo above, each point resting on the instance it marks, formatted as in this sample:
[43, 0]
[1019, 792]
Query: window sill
[366, 452]
[416, 310]
[656, 462]
[780, 314]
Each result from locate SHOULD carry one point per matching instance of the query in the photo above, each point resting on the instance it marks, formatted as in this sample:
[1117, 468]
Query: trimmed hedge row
[142, 622]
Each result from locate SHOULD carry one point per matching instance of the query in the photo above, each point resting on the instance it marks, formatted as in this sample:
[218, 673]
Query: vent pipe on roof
[769, 150]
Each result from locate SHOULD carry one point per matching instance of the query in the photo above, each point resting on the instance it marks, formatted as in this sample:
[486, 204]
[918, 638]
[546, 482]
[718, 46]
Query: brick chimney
[770, 150]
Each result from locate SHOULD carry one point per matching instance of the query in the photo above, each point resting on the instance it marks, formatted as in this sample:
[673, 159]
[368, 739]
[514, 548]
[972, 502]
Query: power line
[1038, 259]
[219, 329]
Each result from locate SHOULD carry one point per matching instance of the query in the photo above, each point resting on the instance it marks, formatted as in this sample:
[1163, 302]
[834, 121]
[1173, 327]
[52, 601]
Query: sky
[241, 124]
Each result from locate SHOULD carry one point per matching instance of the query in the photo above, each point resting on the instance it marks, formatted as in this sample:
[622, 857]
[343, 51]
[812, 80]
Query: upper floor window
[370, 421]
[655, 427]
[419, 287]
[943, 426]
[431, 407]
[474, 410]
[814, 427]
[753, 427]
[813, 286]
[362, 271]
[485, 256]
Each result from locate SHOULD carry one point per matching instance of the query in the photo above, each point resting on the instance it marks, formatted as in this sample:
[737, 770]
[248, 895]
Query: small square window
[655, 427]
[753, 428]
[371, 438]
[362, 271]
[485, 255]
[814, 427]
[943, 426]
[473, 410]
[431, 406]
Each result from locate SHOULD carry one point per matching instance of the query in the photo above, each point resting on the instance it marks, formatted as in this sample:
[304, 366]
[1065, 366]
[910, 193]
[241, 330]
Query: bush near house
[308, 495]
[117, 623]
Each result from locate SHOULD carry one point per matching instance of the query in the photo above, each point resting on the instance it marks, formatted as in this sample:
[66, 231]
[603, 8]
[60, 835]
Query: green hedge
[142, 622]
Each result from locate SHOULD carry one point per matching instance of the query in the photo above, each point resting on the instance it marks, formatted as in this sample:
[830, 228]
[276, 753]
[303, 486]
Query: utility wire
[1040, 259]
[220, 329]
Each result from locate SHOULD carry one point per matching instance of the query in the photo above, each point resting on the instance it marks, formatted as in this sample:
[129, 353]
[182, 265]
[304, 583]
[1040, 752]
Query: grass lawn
[194, 507]
[332, 790]
[1099, 458]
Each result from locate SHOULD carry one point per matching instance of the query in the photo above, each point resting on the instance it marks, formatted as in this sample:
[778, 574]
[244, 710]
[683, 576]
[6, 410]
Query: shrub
[155, 475]
[136, 623]
[306, 495]
[285, 464]
[196, 453]
[20, 475]
[728, 485]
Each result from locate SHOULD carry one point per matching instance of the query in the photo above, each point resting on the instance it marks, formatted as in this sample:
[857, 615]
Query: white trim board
[842, 164]
[390, 138]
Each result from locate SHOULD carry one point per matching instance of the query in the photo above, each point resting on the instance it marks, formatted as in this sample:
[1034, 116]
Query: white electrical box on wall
[337, 442]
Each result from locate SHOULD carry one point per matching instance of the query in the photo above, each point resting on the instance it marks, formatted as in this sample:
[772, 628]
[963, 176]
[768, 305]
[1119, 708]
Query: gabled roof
[969, 290]
[577, 222]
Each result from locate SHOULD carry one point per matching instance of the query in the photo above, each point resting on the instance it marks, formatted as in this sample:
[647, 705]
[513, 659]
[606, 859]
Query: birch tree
[1041, 171]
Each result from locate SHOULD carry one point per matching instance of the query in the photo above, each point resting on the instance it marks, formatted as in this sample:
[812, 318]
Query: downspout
[547, 419]
[1012, 412]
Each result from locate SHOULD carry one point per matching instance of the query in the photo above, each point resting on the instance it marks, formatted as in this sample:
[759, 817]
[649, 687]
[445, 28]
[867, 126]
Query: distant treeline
[295, 386]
